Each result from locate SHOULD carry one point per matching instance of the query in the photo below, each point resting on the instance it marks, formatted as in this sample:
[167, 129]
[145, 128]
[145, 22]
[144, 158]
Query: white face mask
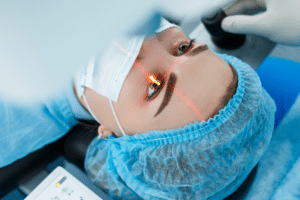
[107, 74]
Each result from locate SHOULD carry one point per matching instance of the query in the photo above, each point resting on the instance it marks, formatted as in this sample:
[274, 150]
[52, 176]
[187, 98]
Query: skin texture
[203, 79]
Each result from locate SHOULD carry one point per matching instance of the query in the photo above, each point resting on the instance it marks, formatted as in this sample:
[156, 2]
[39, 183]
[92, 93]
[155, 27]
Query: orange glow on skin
[153, 80]
[148, 77]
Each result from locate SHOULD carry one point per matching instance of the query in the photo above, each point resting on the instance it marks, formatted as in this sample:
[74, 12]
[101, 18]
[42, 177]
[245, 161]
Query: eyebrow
[168, 93]
[197, 50]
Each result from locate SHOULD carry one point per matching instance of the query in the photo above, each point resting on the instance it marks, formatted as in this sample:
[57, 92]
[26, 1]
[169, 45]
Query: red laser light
[154, 80]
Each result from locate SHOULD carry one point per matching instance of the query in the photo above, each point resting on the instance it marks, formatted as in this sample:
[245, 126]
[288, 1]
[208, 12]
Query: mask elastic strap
[96, 117]
[87, 105]
[116, 118]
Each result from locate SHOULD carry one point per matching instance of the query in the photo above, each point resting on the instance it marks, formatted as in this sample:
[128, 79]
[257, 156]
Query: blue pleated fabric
[206, 160]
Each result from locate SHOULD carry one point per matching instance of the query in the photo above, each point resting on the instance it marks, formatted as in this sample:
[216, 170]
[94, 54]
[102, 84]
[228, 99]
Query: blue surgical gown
[278, 174]
[27, 128]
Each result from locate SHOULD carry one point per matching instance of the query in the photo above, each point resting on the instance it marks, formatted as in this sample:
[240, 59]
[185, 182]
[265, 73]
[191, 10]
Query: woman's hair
[231, 90]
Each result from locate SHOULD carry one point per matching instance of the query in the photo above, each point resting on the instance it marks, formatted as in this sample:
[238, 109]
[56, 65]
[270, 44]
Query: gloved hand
[280, 22]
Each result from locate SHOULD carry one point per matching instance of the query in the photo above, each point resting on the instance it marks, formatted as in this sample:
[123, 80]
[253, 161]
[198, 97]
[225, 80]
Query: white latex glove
[280, 22]
[188, 10]
[43, 43]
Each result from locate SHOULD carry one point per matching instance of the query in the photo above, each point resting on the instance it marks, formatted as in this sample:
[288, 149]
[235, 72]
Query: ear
[104, 131]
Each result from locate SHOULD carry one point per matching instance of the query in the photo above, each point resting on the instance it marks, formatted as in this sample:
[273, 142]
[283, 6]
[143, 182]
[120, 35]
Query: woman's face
[199, 83]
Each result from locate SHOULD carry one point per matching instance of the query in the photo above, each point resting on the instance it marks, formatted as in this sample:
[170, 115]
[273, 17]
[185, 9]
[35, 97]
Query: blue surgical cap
[206, 160]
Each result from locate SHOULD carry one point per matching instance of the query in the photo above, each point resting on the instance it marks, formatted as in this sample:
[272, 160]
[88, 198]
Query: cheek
[100, 107]
[130, 98]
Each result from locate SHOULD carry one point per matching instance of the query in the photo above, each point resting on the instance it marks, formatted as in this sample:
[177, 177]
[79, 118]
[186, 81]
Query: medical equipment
[44, 43]
[279, 22]
[210, 159]
[61, 185]
[212, 21]
[253, 51]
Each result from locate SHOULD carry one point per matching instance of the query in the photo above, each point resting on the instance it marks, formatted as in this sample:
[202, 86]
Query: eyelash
[188, 47]
[156, 89]
[154, 94]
